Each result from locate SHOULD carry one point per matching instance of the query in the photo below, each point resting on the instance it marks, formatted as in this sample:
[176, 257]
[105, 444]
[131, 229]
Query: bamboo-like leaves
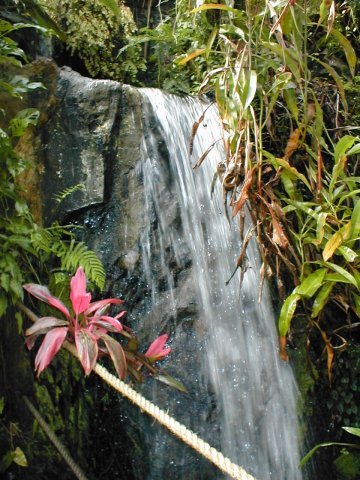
[310, 285]
[287, 313]
[215, 6]
[321, 298]
[348, 49]
[247, 87]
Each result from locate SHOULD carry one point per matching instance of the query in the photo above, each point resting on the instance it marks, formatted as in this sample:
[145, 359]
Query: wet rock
[93, 136]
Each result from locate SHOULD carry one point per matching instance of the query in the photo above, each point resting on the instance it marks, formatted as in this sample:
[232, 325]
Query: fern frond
[49, 242]
[77, 253]
[59, 197]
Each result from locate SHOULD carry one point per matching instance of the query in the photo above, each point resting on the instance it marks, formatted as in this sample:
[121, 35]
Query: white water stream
[255, 392]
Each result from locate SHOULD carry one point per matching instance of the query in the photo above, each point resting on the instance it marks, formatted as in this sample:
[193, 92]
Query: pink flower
[156, 351]
[79, 298]
[85, 326]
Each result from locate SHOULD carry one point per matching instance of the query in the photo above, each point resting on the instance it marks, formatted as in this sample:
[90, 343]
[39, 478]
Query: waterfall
[254, 392]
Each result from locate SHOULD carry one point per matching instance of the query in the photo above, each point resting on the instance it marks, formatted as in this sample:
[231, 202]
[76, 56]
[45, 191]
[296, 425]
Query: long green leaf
[247, 84]
[343, 273]
[321, 298]
[172, 382]
[311, 284]
[345, 143]
[211, 40]
[287, 313]
[349, 51]
[214, 6]
[355, 149]
[353, 430]
[326, 444]
[320, 227]
[349, 254]
[355, 221]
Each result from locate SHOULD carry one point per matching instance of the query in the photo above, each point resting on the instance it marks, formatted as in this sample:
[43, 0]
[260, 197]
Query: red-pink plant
[87, 325]
[156, 351]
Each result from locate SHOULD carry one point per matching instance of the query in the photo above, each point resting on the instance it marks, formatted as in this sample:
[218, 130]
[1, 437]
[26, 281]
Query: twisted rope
[178, 429]
[55, 441]
[186, 435]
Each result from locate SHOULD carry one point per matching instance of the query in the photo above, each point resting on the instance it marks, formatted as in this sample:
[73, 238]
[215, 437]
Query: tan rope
[55, 441]
[178, 429]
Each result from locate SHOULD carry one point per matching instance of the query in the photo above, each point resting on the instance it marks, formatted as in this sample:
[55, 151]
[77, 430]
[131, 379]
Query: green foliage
[59, 197]
[51, 242]
[96, 30]
[342, 401]
[166, 47]
[347, 464]
[285, 152]
[27, 250]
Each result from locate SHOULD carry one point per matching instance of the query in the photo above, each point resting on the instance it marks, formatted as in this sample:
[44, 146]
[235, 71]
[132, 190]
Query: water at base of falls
[255, 393]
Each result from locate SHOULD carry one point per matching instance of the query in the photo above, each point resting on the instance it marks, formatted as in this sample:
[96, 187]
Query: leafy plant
[166, 46]
[87, 325]
[15, 454]
[347, 465]
[281, 153]
[27, 249]
[95, 31]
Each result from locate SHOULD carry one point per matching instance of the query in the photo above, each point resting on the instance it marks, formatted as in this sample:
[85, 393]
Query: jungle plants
[86, 324]
[283, 108]
[95, 31]
[347, 464]
[27, 248]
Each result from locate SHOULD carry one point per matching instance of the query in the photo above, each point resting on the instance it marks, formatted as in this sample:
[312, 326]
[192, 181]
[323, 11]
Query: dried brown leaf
[282, 344]
[239, 203]
[329, 352]
[203, 156]
[293, 143]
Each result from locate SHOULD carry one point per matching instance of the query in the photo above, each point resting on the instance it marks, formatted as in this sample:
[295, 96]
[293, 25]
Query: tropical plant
[284, 153]
[95, 31]
[27, 248]
[166, 46]
[86, 325]
[347, 464]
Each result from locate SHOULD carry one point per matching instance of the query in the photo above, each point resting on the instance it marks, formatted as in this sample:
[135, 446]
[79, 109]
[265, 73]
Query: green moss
[96, 34]
[353, 98]
[348, 466]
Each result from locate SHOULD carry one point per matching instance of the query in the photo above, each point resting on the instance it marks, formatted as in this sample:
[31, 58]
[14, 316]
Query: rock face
[91, 134]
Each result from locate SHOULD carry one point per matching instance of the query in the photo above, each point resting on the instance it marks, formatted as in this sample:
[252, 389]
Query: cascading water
[254, 392]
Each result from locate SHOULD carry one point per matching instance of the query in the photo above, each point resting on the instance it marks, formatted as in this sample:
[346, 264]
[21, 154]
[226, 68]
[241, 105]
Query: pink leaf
[79, 298]
[42, 293]
[44, 323]
[51, 344]
[87, 348]
[156, 351]
[110, 324]
[117, 355]
[93, 307]
[41, 326]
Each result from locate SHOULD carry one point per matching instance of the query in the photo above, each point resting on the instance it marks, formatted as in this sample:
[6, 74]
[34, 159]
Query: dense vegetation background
[285, 78]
